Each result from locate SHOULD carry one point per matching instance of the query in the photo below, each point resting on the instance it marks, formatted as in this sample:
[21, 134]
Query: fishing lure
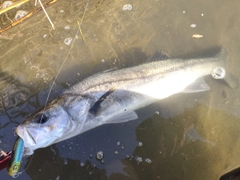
[16, 158]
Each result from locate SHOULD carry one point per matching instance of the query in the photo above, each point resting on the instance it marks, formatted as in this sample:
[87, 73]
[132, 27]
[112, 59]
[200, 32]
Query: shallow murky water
[186, 136]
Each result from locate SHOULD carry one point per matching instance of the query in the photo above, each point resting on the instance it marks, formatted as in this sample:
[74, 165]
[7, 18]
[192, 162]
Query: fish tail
[222, 56]
[229, 78]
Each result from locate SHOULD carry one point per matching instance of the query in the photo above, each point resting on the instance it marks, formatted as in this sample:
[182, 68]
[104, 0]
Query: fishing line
[51, 87]
[65, 58]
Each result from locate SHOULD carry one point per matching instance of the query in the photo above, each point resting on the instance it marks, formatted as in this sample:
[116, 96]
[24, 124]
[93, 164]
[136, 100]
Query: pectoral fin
[123, 117]
[197, 86]
[95, 108]
[158, 56]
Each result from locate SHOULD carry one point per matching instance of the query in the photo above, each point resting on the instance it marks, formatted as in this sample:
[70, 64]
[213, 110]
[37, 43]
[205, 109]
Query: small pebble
[197, 36]
[127, 7]
[193, 25]
[118, 143]
[122, 147]
[68, 41]
[116, 152]
[202, 14]
[67, 27]
[61, 11]
[100, 155]
[140, 144]
[184, 12]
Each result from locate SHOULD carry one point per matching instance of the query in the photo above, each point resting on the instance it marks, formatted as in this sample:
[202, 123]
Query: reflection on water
[192, 135]
[186, 136]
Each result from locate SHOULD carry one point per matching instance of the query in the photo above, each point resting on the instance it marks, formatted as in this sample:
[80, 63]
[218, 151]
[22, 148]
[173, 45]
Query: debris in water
[100, 155]
[68, 41]
[127, 7]
[218, 73]
[193, 25]
[147, 160]
[197, 36]
[81, 164]
[224, 94]
[138, 159]
[236, 102]
[20, 14]
[6, 4]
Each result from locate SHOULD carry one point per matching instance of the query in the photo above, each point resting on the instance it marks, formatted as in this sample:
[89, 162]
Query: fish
[113, 96]
[16, 157]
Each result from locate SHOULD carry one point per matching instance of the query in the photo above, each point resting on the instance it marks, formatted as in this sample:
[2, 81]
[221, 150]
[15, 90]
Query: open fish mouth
[26, 136]
[31, 137]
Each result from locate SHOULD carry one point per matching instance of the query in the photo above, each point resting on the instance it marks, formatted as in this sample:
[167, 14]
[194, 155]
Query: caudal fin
[229, 78]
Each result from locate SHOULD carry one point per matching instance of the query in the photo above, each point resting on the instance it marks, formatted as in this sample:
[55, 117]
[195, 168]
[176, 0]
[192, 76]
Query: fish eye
[41, 118]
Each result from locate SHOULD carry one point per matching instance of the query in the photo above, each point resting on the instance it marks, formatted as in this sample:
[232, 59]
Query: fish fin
[231, 81]
[222, 54]
[94, 109]
[105, 71]
[197, 86]
[123, 117]
[110, 70]
[229, 78]
[158, 56]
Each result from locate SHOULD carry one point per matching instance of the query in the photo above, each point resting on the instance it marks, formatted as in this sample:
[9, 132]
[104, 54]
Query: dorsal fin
[105, 71]
[158, 56]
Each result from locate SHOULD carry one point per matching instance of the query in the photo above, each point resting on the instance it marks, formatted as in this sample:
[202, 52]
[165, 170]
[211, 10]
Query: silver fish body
[112, 97]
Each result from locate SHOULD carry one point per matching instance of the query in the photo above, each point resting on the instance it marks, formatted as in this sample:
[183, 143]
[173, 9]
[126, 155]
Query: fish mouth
[31, 137]
[25, 134]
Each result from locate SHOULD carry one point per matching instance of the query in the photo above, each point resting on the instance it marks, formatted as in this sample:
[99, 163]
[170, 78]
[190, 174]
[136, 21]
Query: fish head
[44, 127]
